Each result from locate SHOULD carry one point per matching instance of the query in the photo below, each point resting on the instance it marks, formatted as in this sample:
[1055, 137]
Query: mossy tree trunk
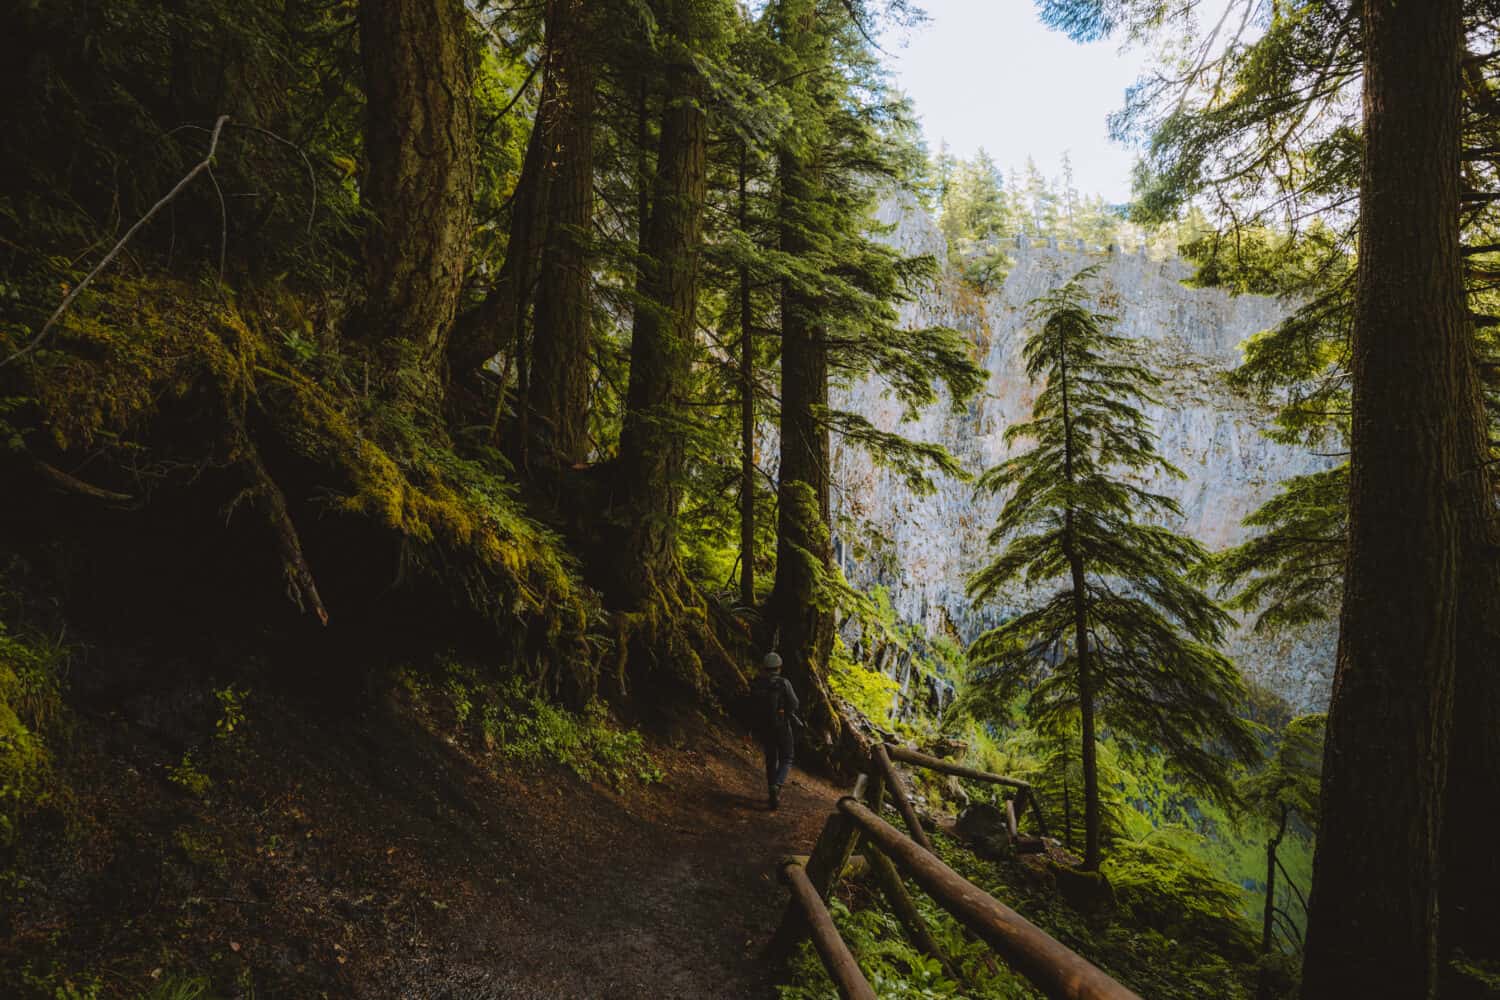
[419, 186]
[663, 341]
[1373, 925]
[799, 604]
[558, 393]
[747, 398]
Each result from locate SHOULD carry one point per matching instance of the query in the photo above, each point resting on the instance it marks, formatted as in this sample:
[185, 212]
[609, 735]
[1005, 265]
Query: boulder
[1087, 892]
[982, 826]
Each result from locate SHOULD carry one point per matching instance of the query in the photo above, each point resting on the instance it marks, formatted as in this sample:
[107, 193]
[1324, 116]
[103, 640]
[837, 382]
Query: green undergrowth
[1170, 933]
[30, 710]
[508, 720]
[1143, 803]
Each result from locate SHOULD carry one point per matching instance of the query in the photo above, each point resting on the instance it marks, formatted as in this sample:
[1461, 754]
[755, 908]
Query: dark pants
[778, 750]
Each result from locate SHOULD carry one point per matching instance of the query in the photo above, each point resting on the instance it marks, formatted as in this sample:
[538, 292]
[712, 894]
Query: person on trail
[776, 705]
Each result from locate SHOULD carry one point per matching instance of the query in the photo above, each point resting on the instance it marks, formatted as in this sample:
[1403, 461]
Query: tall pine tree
[1125, 639]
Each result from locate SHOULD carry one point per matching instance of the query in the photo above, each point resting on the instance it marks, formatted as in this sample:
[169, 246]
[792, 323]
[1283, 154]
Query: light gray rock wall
[925, 547]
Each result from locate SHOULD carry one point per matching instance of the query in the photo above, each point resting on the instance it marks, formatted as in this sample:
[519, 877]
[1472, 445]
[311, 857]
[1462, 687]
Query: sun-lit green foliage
[1291, 573]
[1074, 507]
[29, 706]
[504, 717]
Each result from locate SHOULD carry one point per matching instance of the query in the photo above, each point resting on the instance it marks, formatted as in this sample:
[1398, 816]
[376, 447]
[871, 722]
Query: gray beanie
[771, 662]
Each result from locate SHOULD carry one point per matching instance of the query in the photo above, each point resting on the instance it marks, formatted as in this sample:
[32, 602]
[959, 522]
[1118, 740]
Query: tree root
[677, 634]
[301, 587]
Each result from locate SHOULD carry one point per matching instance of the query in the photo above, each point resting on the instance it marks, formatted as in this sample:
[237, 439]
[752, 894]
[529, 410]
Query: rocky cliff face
[923, 548]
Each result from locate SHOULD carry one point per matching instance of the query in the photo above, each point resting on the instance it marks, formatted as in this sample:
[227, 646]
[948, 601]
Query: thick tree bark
[1373, 926]
[1469, 894]
[419, 138]
[804, 548]
[747, 400]
[558, 394]
[498, 323]
[652, 442]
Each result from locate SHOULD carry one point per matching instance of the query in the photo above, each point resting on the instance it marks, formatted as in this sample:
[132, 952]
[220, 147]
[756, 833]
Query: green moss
[134, 351]
[870, 691]
[29, 702]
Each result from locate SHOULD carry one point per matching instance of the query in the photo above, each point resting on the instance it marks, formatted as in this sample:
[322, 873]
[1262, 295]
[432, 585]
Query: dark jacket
[776, 704]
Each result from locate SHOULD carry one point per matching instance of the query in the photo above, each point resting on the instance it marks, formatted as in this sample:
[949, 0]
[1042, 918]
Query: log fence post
[898, 792]
[841, 966]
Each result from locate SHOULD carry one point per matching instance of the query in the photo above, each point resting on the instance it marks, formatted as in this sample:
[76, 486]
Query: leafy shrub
[1163, 888]
[530, 729]
[189, 776]
[29, 702]
[899, 972]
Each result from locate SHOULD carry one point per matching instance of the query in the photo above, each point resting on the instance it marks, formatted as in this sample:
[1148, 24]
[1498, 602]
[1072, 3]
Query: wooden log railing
[1025, 794]
[841, 966]
[892, 783]
[1052, 967]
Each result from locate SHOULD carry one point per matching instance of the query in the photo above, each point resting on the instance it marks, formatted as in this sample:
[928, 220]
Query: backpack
[772, 701]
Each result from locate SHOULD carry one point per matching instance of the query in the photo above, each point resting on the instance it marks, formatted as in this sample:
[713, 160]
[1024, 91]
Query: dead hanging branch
[72, 484]
[76, 290]
[300, 585]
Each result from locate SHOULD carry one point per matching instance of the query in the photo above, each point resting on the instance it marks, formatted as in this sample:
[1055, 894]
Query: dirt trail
[669, 894]
[373, 855]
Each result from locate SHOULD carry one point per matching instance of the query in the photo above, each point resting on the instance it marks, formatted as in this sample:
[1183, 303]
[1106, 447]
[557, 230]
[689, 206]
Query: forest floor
[372, 856]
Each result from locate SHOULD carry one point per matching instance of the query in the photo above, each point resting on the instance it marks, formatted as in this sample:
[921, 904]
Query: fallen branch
[76, 290]
[301, 587]
[71, 483]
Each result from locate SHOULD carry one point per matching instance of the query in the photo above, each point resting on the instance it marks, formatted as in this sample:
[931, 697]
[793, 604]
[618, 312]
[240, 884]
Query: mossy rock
[983, 828]
[1087, 892]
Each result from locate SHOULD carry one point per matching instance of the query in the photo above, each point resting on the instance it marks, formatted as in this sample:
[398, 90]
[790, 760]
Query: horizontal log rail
[842, 968]
[1053, 968]
[910, 756]
[1025, 794]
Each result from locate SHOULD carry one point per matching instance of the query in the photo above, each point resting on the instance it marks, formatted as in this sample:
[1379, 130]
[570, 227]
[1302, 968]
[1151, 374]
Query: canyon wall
[922, 549]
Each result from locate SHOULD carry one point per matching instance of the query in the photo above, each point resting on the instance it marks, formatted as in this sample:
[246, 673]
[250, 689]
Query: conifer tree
[664, 339]
[1271, 127]
[1286, 787]
[1125, 639]
[557, 402]
[419, 134]
[838, 289]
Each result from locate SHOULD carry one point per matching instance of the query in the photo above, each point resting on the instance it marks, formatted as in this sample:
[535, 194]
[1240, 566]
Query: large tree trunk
[558, 400]
[747, 399]
[499, 322]
[1469, 895]
[1373, 926]
[652, 441]
[804, 548]
[419, 138]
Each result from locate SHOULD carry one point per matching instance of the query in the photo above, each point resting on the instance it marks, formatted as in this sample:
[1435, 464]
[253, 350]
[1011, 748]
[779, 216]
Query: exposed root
[300, 585]
[677, 634]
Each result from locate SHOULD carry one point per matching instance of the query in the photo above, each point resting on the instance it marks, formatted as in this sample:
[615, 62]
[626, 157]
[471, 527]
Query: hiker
[777, 706]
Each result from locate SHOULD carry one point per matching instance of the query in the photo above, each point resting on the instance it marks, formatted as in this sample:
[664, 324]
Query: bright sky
[988, 73]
